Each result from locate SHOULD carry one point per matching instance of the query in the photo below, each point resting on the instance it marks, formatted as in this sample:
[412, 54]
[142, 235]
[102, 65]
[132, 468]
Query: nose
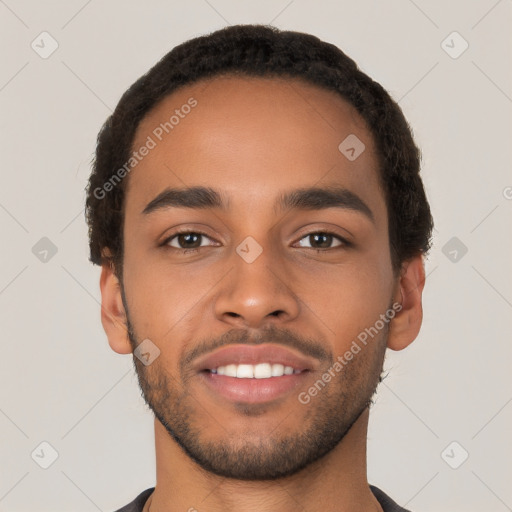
[257, 292]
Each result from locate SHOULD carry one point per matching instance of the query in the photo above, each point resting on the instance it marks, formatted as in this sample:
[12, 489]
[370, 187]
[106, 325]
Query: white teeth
[262, 371]
[230, 370]
[256, 371]
[245, 371]
[277, 370]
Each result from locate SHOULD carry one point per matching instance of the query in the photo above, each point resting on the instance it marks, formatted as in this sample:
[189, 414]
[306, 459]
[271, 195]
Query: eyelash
[344, 243]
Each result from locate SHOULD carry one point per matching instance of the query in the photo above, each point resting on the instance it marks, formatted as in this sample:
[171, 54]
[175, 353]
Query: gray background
[59, 380]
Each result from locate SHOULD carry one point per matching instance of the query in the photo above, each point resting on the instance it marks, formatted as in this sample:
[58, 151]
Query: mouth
[254, 374]
[254, 371]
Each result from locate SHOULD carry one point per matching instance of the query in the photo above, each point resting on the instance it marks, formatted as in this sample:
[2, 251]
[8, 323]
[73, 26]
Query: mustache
[307, 346]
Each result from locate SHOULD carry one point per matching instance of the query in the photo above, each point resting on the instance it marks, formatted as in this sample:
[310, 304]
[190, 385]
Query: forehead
[252, 137]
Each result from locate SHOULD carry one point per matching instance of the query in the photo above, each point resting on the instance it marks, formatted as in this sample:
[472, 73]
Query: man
[257, 209]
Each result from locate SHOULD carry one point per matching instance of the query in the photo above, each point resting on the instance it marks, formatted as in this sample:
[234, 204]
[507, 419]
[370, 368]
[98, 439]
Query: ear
[405, 325]
[113, 315]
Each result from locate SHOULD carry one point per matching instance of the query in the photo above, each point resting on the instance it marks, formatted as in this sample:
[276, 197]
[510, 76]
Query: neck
[337, 481]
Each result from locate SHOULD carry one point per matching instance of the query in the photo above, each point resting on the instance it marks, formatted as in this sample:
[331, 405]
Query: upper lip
[251, 354]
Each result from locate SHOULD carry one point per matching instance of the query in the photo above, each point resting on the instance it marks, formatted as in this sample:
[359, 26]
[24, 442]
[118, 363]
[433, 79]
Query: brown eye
[186, 240]
[323, 240]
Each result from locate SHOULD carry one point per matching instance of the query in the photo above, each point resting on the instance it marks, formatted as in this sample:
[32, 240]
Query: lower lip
[253, 391]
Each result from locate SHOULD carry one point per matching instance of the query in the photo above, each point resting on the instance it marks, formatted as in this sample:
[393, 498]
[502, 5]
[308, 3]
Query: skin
[253, 139]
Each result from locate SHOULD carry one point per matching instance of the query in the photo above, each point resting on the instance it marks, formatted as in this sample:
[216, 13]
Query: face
[255, 272]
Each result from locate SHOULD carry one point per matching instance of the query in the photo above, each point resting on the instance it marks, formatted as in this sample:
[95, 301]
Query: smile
[254, 371]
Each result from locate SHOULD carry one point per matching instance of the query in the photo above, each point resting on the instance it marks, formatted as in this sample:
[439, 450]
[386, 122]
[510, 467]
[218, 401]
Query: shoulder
[388, 505]
[138, 503]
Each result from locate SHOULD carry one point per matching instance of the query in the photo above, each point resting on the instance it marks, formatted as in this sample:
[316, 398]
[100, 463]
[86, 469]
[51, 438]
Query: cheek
[351, 300]
[168, 304]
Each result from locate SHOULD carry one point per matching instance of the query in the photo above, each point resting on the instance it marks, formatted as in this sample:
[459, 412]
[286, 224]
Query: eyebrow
[312, 198]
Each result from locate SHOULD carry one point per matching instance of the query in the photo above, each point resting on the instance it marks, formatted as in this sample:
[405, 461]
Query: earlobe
[405, 326]
[113, 315]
